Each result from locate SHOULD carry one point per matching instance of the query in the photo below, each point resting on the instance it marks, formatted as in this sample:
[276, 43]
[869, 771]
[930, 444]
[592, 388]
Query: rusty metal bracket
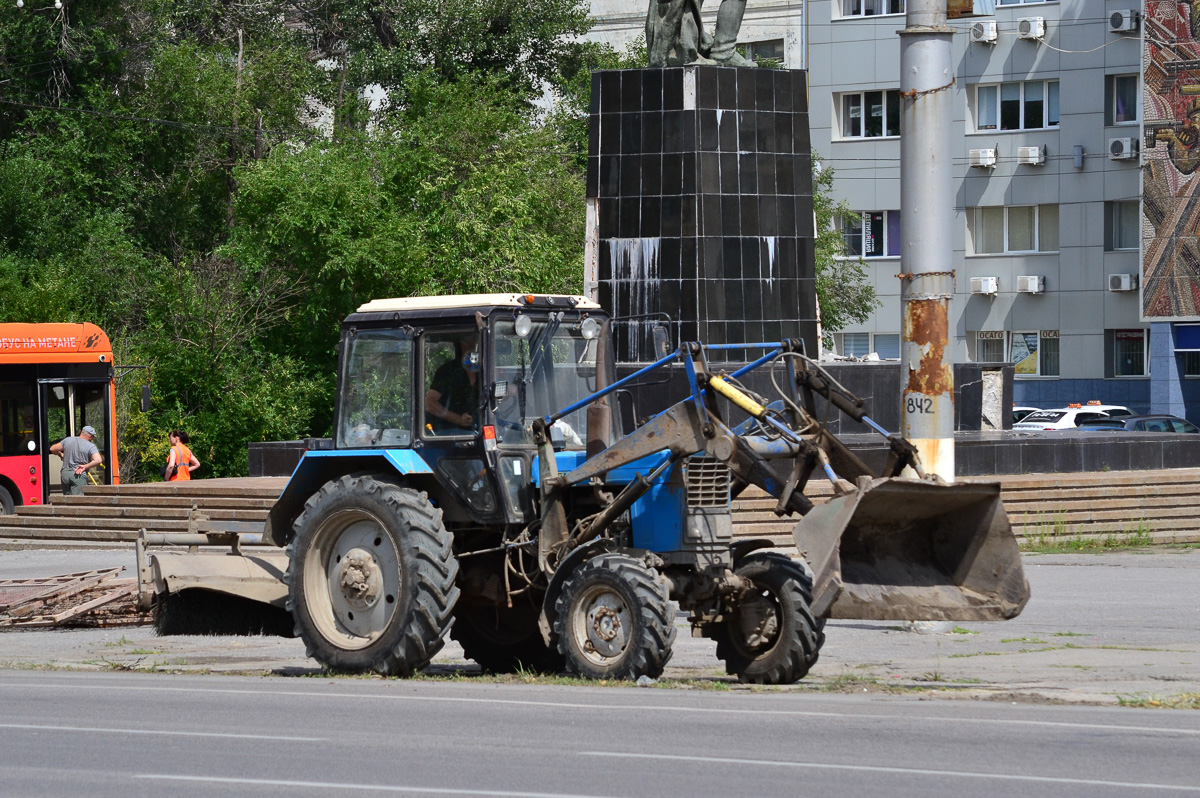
[914, 93]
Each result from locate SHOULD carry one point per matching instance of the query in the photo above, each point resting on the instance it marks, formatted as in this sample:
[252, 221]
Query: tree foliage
[218, 182]
[843, 291]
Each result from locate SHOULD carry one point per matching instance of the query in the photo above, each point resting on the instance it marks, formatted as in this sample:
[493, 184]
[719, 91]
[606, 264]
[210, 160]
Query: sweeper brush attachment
[901, 549]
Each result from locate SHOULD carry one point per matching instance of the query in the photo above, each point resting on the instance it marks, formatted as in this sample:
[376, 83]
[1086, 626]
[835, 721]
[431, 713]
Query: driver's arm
[435, 408]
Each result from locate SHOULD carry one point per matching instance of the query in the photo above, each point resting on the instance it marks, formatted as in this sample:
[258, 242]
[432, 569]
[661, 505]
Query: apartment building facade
[1048, 183]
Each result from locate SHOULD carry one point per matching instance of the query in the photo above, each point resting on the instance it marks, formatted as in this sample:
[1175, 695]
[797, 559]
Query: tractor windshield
[376, 399]
[540, 368]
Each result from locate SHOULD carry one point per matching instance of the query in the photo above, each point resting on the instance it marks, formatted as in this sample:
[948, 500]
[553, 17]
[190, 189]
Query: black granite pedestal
[700, 203]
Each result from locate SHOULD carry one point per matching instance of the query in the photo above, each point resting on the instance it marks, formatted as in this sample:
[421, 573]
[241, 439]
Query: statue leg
[663, 34]
[729, 22]
[692, 44]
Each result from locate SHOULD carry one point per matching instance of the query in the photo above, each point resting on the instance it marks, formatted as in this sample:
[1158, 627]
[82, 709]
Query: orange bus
[54, 380]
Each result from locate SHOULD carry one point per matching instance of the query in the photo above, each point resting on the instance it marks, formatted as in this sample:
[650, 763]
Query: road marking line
[900, 771]
[755, 711]
[160, 732]
[363, 787]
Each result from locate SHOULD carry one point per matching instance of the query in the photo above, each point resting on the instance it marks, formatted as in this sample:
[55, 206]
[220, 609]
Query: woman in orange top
[181, 460]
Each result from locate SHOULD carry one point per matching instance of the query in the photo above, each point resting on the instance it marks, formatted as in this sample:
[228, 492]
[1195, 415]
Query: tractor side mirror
[145, 398]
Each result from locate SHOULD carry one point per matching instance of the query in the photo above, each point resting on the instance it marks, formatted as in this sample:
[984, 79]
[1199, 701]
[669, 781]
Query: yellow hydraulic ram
[737, 397]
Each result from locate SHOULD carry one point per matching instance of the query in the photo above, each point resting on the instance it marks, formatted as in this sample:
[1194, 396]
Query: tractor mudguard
[318, 466]
[906, 549]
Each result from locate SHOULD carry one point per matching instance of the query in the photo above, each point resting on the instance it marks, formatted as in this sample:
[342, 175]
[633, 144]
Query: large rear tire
[614, 619]
[371, 577]
[504, 639]
[771, 635]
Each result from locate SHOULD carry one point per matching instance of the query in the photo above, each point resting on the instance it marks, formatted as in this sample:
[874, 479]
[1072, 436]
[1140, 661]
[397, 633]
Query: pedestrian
[181, 462]
[79, 455]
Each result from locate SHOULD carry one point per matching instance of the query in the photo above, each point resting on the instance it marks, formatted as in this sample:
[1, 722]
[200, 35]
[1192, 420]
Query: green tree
[843, 291]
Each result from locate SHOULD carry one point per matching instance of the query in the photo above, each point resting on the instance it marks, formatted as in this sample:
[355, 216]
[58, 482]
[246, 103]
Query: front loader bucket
[903, 549]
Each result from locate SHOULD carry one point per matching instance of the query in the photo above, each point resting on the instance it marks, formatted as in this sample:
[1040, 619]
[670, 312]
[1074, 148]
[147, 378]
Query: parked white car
[1069, 417]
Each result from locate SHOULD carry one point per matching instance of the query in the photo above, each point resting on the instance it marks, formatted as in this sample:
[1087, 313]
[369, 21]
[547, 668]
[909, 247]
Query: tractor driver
[454, 391]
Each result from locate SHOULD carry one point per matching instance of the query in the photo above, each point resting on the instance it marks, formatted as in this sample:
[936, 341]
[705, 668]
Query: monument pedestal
[699, 194]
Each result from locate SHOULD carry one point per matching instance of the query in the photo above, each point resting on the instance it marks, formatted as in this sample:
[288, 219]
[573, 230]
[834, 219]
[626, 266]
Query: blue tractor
[480, 484]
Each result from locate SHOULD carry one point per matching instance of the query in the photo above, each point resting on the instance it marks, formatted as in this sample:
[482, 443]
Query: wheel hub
[757, 622]
[606, 626]
[359, 578]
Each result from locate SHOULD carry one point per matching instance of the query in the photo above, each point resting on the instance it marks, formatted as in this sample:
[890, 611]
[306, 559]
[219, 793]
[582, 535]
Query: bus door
[20, 459]
[68, 407]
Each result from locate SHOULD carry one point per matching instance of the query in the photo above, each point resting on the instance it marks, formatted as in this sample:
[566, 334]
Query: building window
[856, 344]
[861, 344]
[873, 234]
[1120, 99]
[871, 8]
[1122, 224]
[887, 346]
[764, 51]
[1011, 230]
[869, 114]
[1129, 353]
[1025, 105]
[989, 346]
[1191, 364]
[1034, 354]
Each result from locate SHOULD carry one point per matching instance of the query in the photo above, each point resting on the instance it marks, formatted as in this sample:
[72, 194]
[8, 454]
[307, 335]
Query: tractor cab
[461, 386]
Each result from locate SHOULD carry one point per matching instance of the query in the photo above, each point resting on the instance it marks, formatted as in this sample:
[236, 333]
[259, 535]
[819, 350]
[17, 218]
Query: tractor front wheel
[614, 620]
[371, 577]
[770, 636]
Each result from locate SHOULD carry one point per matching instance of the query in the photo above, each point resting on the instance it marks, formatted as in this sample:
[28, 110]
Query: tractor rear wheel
[371, 577]
[504, 639]
[614, 619]
[771, 635]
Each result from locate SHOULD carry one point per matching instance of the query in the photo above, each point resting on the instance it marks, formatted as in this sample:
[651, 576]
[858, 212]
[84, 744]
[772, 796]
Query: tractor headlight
[589, 329]
[523, 326]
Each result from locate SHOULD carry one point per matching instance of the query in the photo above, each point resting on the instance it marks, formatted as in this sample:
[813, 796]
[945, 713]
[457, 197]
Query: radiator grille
[707, 481]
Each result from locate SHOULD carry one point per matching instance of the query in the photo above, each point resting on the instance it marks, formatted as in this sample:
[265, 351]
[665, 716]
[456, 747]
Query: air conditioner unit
[1031, 284]
[1122, 282]
[1032, 156]
[984, 159]
[984, 31]
[1031, 28]
[1122, 149]
[1124, 21]
[985, 285]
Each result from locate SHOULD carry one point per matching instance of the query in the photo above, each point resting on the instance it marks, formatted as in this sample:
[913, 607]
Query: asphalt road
[1099, 629]
[131, 735]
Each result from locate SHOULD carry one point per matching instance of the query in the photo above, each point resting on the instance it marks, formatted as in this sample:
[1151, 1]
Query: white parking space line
[898, 771]
[345, 786]
[160, 732]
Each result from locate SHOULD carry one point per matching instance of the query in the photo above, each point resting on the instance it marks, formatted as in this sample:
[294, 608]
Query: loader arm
[884, 547]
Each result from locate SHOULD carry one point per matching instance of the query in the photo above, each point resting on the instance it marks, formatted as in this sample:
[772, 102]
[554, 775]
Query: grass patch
[1022, 640]
[1054, 536]
[1181, 701]
[1071, 634]
[958, 630]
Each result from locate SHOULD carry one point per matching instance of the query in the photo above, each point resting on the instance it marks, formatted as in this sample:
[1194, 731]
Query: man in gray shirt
[79, 455]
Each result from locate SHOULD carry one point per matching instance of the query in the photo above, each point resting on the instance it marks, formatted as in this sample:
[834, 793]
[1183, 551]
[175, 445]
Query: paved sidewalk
[1098, 628]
